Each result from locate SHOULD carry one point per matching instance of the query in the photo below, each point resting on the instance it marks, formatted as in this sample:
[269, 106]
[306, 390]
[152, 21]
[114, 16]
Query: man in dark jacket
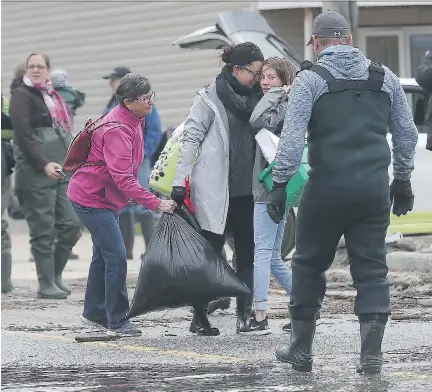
[424, 79]
[346, 105]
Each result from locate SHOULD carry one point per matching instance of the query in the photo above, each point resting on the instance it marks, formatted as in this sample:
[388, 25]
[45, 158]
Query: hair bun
[226, 54]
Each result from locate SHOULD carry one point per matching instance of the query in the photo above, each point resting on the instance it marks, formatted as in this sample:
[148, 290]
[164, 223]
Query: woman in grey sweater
[277, 75]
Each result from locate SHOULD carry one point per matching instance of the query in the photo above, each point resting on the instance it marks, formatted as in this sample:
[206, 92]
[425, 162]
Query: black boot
[6, 270]
[371, 333]
[46, 278]
[299, 352]
[200, 323]
[244, 309]
[127, 229]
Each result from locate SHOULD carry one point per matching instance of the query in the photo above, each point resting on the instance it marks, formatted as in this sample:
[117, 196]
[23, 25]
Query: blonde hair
[284, 69]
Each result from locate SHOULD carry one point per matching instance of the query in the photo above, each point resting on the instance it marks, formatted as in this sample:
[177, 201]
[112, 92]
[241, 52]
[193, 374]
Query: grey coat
[205, 137]
[269, 114]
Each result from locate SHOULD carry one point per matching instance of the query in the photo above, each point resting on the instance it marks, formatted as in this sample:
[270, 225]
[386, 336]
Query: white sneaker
[91, 323]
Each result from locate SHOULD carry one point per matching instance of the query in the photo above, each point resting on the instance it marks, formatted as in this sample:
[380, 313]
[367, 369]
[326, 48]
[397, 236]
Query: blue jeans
[268, 241]
[106, 297]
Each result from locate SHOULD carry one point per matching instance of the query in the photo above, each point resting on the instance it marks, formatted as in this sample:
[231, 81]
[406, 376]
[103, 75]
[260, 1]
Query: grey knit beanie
[60, 78]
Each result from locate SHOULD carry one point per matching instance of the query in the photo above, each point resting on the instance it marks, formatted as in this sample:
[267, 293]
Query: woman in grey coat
[218, 135]
[277, 75]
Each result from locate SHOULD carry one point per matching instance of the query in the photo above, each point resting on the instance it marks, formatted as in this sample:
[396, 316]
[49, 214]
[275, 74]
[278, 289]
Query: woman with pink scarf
[42, 125]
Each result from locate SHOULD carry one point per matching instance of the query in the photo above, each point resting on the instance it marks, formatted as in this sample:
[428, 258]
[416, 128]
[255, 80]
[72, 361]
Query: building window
[384, 49]
[418, 45]
[399, 48]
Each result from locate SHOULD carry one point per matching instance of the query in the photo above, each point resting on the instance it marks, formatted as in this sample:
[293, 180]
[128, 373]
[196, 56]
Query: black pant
[322, 219]
[240, 224]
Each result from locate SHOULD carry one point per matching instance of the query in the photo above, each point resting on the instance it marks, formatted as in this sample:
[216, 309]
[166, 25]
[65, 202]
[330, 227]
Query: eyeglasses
[151, 97]
[38, 66]
[254, 74]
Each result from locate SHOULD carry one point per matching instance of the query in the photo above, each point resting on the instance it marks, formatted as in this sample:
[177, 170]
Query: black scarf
[238, 99]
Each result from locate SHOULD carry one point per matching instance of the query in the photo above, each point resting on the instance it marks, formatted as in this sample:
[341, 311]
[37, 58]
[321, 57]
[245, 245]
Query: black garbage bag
[181, 268]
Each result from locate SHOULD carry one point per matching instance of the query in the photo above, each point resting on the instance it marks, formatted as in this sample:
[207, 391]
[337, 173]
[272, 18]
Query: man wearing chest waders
[346, 104]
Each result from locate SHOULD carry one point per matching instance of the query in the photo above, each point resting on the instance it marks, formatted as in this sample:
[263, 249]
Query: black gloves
[402, 197]
[178, 194]
[276, 201]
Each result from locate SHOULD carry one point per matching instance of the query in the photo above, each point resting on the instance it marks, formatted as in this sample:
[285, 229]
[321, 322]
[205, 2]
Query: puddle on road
[233, 378]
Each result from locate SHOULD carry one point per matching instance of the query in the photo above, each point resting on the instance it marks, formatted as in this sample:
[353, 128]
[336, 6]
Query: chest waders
[347, 194]
[53, 225]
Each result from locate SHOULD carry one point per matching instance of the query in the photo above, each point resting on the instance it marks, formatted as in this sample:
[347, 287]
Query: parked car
[235, 27]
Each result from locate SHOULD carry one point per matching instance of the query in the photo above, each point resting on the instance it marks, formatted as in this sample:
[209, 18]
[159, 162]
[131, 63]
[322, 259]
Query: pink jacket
[112, 184]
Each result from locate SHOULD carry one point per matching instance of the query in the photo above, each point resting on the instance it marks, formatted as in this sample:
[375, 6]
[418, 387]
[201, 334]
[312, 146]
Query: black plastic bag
[181, 268]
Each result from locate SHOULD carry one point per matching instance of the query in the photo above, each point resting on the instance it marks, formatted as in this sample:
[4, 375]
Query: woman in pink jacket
[98, 192]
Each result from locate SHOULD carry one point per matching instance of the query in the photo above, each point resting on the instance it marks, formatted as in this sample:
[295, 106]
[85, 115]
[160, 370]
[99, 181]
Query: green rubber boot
[6, 270]
[46, 278]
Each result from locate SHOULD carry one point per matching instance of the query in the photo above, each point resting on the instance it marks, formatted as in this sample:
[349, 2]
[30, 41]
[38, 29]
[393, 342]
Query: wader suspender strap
[374, 82]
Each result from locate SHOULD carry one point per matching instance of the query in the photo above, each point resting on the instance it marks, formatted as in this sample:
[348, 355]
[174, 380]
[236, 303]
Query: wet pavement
[168, 358]
[39, 351]
[215, 378]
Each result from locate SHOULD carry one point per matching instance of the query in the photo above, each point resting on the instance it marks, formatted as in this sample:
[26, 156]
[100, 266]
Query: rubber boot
[126, 224]
[371, 334]
[244, 301]
[200, 323]
[60, 283]
[299, 351]
[46, 275]
[6, 271]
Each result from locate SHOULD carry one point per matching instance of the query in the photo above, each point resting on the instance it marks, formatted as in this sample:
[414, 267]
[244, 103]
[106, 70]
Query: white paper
[268, 143]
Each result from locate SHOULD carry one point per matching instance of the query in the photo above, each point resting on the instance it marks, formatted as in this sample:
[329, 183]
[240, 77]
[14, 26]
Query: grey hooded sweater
[344, 62]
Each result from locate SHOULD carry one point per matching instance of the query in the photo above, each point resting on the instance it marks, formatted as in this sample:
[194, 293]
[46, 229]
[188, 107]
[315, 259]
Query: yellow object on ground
[413, 223]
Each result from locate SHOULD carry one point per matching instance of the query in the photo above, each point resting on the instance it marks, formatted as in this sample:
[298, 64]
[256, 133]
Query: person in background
[424, 79]
[99, 192]
[42, 124]
[73, 97]
[277, 75]
[19, 73]
[114, 78]
[346, 104]
[218, 129]
[7, 165]
[14, 208]
[152, 136]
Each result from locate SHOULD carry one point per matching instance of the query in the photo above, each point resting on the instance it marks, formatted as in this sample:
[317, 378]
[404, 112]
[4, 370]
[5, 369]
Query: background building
[394, 33]
[88, 39]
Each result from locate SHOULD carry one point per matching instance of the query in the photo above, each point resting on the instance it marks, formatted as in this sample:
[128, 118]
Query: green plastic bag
[295, 187]
[162, 175]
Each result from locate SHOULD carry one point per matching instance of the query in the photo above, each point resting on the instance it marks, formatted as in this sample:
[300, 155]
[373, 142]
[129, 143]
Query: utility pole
[349, 9]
